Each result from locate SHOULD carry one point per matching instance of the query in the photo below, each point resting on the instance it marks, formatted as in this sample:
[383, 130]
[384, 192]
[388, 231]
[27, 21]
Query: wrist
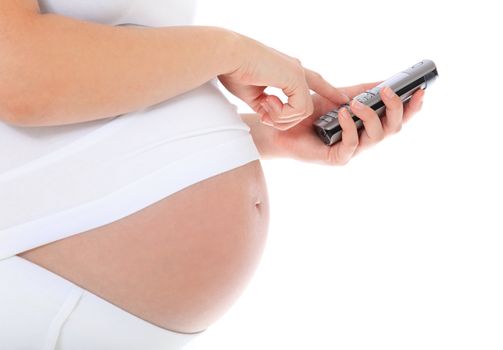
[263, 136]
[231, 50]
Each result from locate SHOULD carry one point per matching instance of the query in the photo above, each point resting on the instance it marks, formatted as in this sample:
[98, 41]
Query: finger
[283, 126]
[392, 122]
[296, 106]
[275, 105]
[275, 109]
[322, 105]
[264, 116]
[267, 111]
[352, 91]
[370, 119]
[319, 85]
[343, 151]
[414, 105]
[286, 126]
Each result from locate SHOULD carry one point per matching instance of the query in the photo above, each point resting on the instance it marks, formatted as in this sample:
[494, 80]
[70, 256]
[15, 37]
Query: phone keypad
[332, 114]
[365, 97]
[375, 91]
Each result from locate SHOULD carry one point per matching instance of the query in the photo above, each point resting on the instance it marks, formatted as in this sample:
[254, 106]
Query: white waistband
[42, 310]
[147, 190]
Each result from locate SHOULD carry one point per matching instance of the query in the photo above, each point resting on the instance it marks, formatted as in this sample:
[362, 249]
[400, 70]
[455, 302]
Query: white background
[402, 248]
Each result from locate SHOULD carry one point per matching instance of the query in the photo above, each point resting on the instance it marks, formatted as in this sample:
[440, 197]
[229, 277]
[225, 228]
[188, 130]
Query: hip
[179, 263]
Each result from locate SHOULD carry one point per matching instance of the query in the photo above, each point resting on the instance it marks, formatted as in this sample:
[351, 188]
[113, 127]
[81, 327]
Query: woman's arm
[57, 70]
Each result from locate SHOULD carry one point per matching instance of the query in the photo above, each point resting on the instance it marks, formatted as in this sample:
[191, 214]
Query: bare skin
[179, 263]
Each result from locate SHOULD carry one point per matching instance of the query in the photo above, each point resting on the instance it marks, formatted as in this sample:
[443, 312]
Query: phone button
[365, 97]
[411, 69]
[375, 91]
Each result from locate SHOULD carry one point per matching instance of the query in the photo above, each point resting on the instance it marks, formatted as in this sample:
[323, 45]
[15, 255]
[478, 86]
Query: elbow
[22, 88]
[20, 91]
[15, 61]
[11, 114]
[16, 112]
[22, 95]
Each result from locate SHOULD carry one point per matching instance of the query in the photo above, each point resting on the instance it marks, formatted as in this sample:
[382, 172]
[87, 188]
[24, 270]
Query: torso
[182, 261]
[179, 263]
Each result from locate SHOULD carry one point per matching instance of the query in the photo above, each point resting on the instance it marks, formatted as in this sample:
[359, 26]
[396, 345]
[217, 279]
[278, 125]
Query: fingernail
[343, 113]
[388, 92]
[357, 104]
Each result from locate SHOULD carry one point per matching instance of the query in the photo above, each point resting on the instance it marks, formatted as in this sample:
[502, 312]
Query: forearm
[263, 136]
[63, 70]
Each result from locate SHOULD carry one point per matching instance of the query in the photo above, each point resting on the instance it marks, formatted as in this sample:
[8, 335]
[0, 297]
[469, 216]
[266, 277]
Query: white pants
[40, 310]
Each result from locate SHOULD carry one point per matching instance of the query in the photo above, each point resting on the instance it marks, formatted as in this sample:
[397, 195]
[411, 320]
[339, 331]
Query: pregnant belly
[179, 263]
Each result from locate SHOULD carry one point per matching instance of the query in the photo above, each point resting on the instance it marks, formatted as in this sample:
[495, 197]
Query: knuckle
[332, 157]
[339, 162]
[282, 127]
[353, 143]
[396, 103]
[301, 112]
[362, 116]
[395, 99]
[276, 120]
[310, 109]
[317, 75]
[299, 71]
[297, 66]
[346, 161]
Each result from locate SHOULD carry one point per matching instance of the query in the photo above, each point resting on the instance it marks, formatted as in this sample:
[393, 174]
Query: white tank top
[154, 13]
[62, 180]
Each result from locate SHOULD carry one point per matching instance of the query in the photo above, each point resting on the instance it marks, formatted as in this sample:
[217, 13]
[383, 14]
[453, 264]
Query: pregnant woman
[133, 207]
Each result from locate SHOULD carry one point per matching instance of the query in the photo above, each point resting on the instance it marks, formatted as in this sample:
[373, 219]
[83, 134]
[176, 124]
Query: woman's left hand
[301, 142]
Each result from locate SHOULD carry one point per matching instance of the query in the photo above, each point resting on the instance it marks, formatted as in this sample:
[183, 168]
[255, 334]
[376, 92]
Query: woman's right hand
[259, 66]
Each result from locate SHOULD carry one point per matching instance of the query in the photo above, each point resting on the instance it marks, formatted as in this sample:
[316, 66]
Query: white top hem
[130, 198]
